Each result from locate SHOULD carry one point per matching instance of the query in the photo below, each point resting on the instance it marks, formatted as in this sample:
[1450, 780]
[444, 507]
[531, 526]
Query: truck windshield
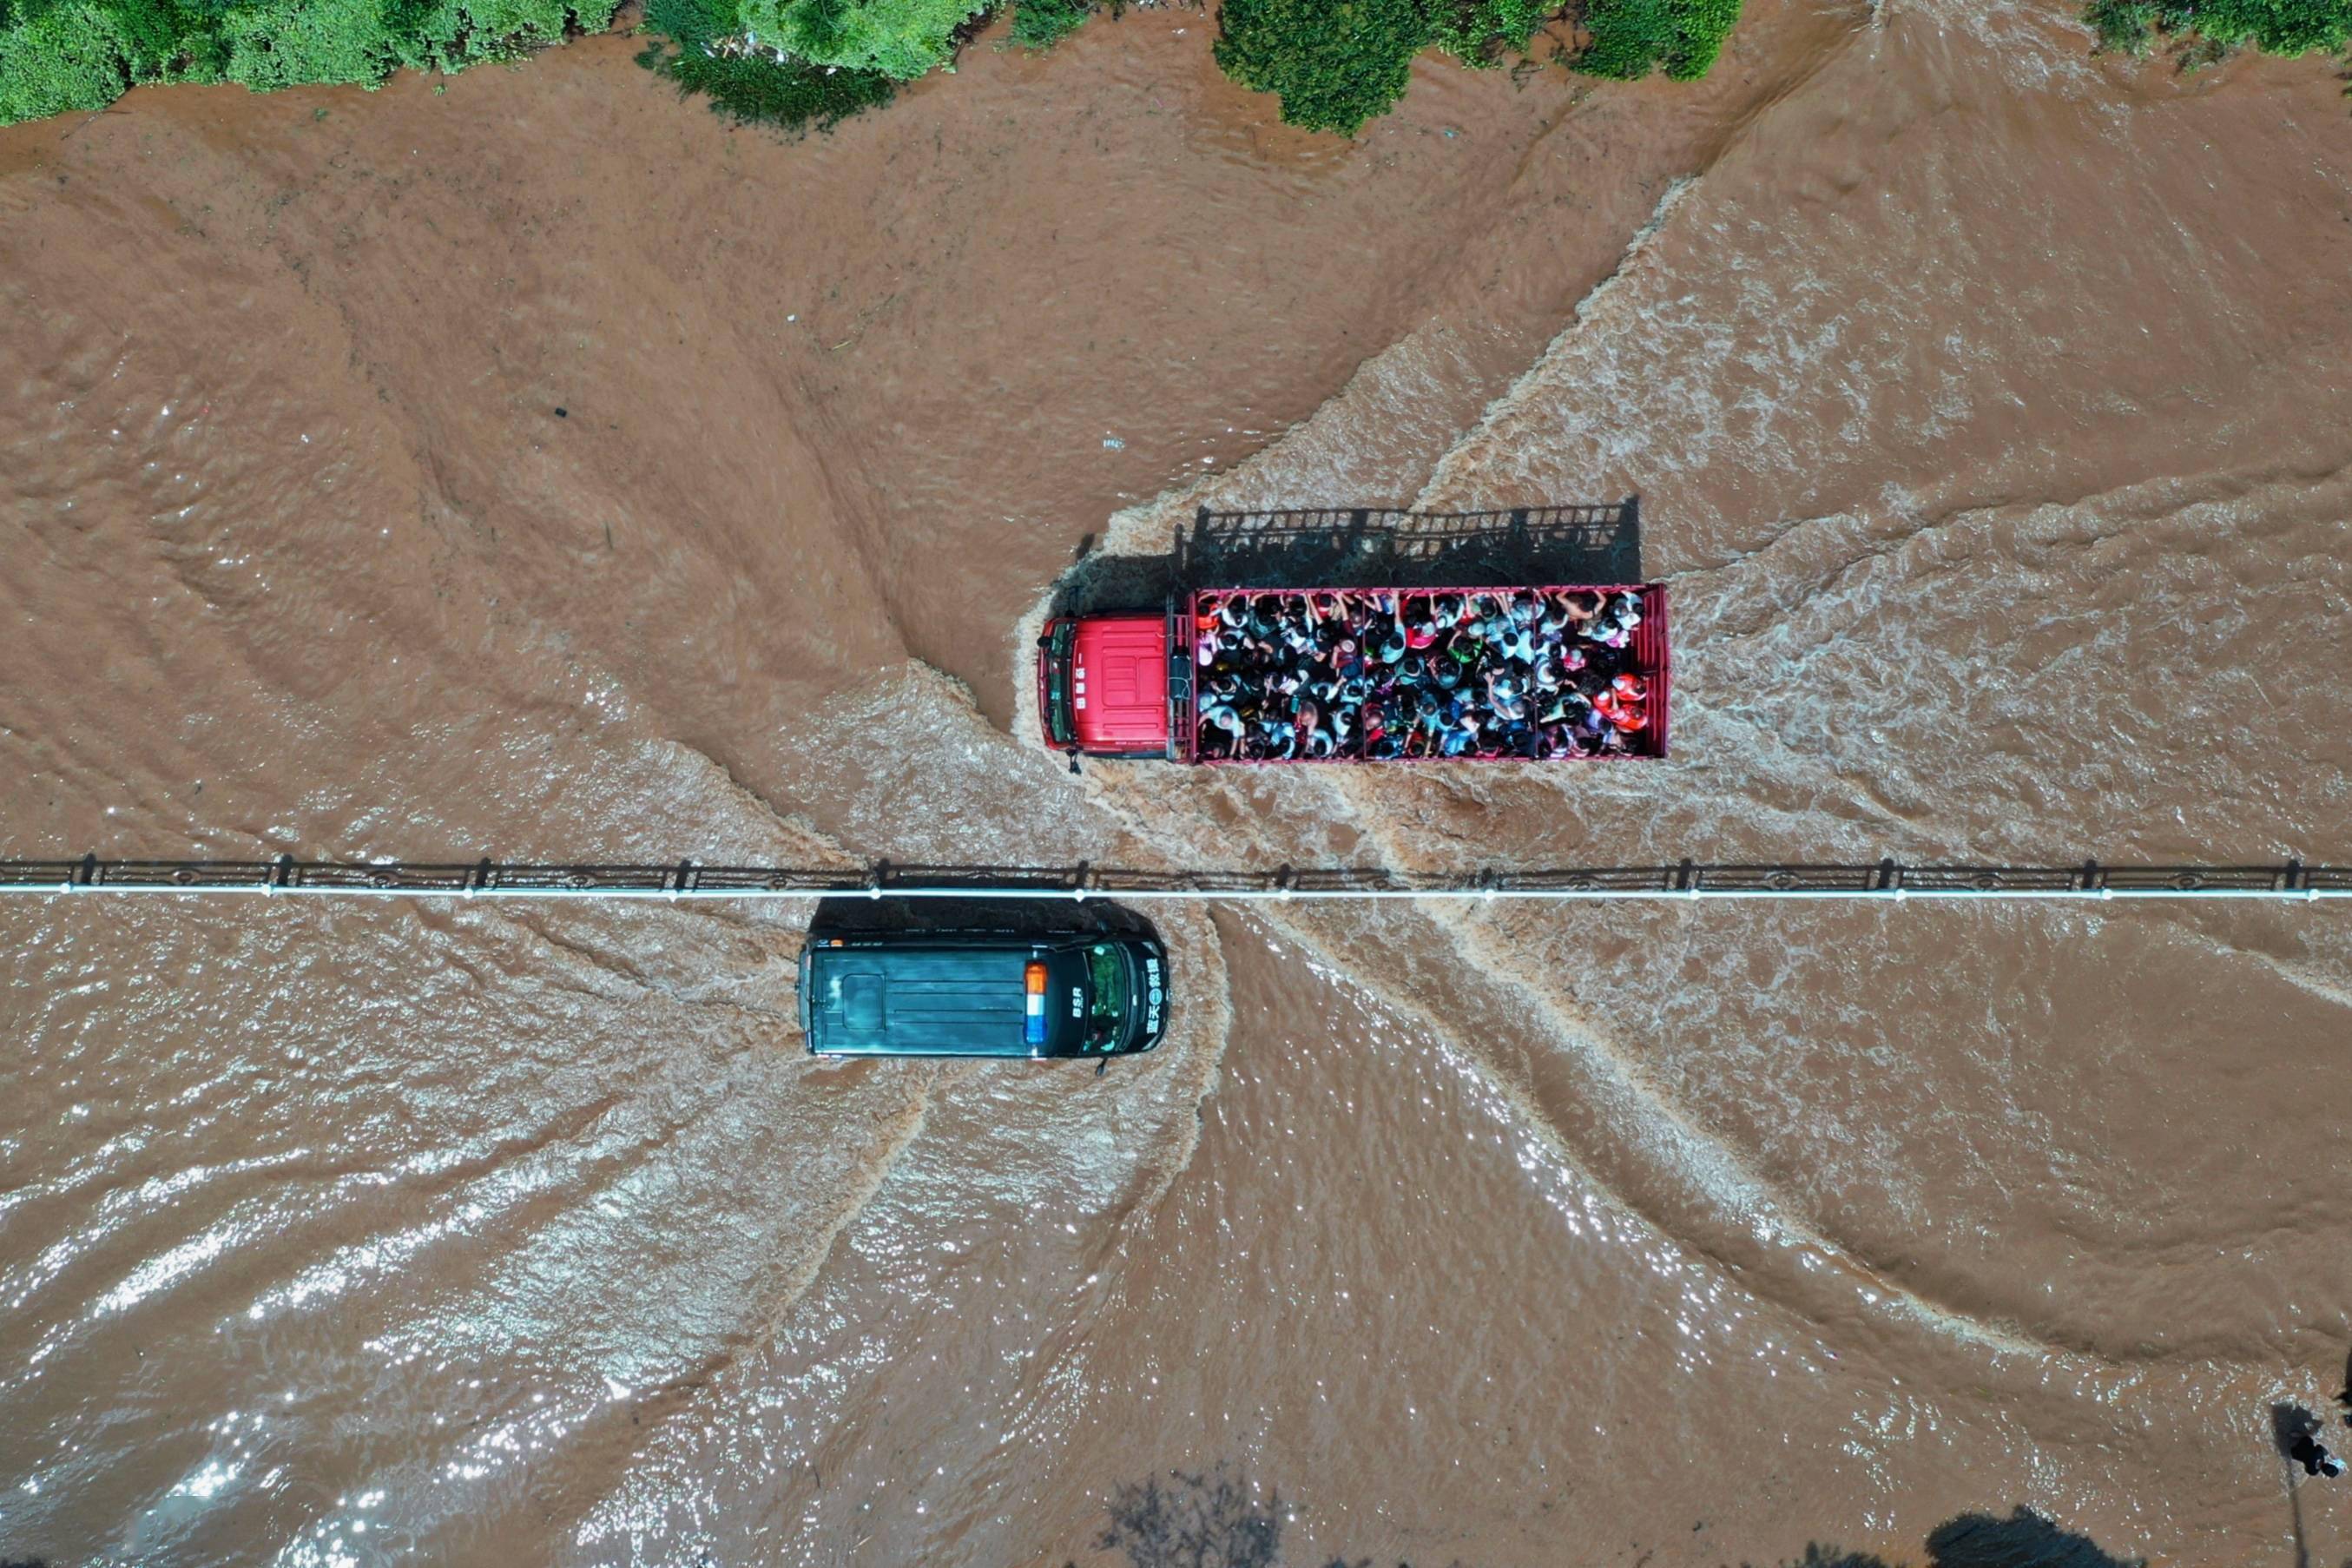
[1110, 988]
[1061, 724]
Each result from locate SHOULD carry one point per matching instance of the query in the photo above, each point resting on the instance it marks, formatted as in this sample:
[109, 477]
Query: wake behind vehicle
[882, 992]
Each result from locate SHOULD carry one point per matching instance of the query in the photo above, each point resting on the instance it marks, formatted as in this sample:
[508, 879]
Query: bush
[1633, 37]
[2275, 26]
[294, 42]
[1335, 63]
[1481, 32]
[1041, 24]
[62, 55]
[1338, 63]
[709, 58]
[2122, 24]
[79, 55]
[446, 36]
[901, 38]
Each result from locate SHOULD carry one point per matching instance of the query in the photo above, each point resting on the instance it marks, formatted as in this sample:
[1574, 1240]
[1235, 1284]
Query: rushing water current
[536, 467]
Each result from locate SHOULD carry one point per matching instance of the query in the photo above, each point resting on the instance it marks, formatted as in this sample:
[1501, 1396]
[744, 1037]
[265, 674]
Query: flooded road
[540, 468]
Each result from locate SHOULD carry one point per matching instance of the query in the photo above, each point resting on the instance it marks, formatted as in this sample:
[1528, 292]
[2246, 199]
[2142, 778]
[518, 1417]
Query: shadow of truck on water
[1363, 547]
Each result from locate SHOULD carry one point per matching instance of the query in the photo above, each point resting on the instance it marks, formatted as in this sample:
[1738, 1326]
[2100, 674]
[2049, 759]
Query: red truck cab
[1102, 685]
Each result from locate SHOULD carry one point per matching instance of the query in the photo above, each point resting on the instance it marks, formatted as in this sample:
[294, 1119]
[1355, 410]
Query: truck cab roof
[1117, 704]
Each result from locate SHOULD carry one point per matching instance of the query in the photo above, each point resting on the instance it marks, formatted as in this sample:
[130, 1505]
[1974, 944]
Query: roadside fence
[689, 878]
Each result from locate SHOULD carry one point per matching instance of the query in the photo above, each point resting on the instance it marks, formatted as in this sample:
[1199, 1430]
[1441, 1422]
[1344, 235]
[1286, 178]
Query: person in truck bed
[1351, 674]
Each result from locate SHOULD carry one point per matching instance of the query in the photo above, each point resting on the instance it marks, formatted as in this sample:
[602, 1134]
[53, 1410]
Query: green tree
[291, 43]
[901, 38]
[1338, 63]
[82, 54]
[1041, 24]
[62, 55]
[1633, 37]
[1481, 32]
[708, 53]
[1335, 63]
[2288, 27]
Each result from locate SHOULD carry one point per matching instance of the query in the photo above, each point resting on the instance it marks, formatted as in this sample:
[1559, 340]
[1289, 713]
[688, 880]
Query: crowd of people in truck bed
[1378, 674]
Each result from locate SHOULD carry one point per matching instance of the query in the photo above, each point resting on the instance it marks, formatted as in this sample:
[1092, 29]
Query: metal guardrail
[689, 878]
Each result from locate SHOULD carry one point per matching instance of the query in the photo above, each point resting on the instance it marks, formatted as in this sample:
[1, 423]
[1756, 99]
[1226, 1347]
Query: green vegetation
[1041, 24]
[806, 64]
[1334, 64]
[2274, 26]
[708, 53]
[901, 38]
[1481, 32]
[1633, 37]
[77, 55]
[62, 55]
[1338, 63]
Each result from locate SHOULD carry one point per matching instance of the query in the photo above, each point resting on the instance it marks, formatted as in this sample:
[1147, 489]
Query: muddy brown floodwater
[539, 467]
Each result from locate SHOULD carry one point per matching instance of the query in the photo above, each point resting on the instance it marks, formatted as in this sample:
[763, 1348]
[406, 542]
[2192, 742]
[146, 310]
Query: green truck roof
[911, 993]
[919, 1001]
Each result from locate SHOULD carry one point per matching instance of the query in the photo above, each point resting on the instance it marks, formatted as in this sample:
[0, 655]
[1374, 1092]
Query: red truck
[1354, 674]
